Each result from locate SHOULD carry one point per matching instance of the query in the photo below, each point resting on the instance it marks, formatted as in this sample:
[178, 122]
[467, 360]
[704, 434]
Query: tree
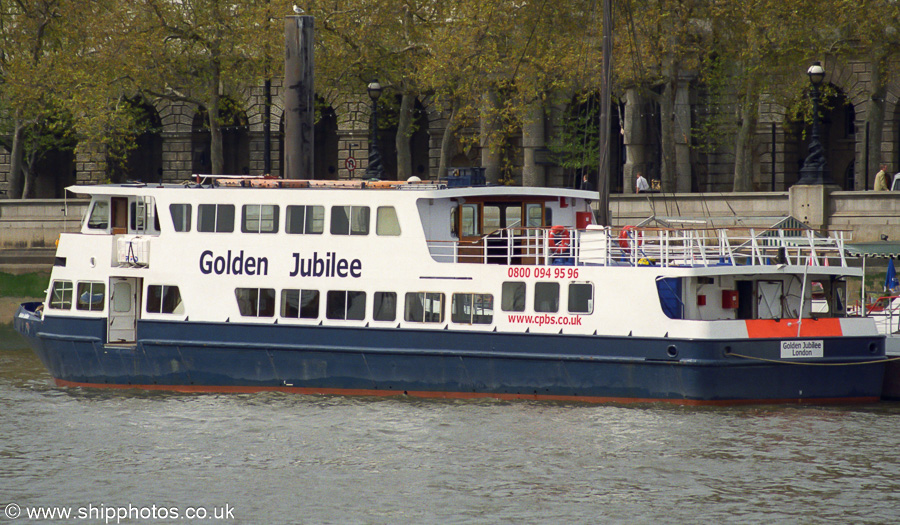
[199, 51]
[28, 31]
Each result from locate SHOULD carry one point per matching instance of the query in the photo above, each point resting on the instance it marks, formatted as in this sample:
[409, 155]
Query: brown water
[273, 459]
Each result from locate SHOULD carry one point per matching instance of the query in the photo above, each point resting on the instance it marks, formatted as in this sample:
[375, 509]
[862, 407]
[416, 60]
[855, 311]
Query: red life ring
[559, 240]
[628, 236]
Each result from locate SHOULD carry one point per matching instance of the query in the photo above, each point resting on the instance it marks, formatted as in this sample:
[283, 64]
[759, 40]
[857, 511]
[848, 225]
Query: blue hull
[368, 361]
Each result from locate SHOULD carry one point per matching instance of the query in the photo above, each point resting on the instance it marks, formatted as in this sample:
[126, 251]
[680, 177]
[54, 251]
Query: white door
[124, 301]
[769, 299]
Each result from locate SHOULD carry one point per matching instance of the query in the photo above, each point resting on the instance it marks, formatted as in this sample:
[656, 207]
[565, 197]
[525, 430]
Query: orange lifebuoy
[559, 240]
[628, 236]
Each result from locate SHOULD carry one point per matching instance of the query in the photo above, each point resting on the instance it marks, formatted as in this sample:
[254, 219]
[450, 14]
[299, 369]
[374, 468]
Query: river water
[149, 457]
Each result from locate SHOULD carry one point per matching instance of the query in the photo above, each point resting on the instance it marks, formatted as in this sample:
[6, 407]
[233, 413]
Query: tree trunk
[447, 141]
[668, 173]
[404, 126]
[490, 136]
[217, 158]
[874, 122]
[533, 174]
[16, 173]
[743, 145]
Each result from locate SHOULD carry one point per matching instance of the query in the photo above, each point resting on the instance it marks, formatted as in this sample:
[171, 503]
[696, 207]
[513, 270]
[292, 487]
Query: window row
[546, 297]
[418, 307]
[91, 296]
[307, 220]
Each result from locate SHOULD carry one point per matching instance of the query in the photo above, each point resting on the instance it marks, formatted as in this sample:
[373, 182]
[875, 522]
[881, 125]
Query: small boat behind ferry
[242, 284]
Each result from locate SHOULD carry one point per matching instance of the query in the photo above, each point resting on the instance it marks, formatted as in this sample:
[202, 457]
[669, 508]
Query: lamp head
[816, 73]
[374, 89]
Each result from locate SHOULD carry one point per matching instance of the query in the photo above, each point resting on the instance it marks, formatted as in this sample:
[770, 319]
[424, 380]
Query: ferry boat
[243, 284]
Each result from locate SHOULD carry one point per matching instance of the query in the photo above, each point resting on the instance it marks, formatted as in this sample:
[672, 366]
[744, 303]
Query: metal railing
[631, 246]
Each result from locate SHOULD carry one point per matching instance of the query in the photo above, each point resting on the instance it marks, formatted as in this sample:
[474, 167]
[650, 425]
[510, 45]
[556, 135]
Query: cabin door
[124, 307]
[770, 299]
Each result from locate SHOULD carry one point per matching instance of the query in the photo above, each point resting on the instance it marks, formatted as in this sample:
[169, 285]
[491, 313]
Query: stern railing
[631, 246]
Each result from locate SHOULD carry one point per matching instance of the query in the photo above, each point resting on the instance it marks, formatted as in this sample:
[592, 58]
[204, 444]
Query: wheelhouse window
[387, 223]
[469, 226]
[546, 297]
[163, 299]
[215, 218]
[259, 218]
[384, 306]
[513, 299]
[99, 217]
[61, 295]
[581, 298]
[255, 302]
[141, 211]
[309, 220]
[181, 217]
[424, 307]
[345, 305]
[300, 304]
[91, 296]
[472, 308]
[350, 220]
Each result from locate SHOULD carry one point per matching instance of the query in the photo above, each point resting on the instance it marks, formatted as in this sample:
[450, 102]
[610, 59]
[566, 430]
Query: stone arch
[325, 133]
[578, 142]
[326, 140]
[838, 126]
[145, 161]
[235, 140]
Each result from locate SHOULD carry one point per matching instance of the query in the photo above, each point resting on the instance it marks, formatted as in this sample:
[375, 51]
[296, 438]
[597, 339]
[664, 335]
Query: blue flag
[890, 281]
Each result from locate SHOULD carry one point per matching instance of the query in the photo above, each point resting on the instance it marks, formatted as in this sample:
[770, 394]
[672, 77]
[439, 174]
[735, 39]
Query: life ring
[559, 240]
[630, 236]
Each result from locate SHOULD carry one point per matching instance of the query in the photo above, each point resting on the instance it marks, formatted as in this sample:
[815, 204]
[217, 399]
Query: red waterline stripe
[464, 395]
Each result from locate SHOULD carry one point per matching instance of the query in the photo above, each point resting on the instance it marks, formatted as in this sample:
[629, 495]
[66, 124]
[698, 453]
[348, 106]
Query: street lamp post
[375, 169]
[815, 170]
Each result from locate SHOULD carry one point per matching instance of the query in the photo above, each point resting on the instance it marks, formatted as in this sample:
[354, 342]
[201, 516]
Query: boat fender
[559, 240]
[628, 236]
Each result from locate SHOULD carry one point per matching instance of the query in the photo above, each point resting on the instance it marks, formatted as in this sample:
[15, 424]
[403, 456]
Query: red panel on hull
[787, 328]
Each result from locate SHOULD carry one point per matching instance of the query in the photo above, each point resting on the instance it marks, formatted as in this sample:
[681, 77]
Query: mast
[605, 98]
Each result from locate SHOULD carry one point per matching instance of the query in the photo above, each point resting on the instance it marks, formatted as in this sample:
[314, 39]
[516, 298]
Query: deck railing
[632, 246]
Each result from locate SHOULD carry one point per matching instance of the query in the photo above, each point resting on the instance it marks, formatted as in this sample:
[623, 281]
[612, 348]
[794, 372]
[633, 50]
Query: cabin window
[309, 220]
[61, 295]
[384, 306]
[581, 298]
[91, 296]
[534, 215]
[218, 218]
[163, 299]
[350, 220]
[342, 304]
[387, 222]
[546, 297]
[181, 217]
[300, 304]
[424, 307]
[513, 299]
[472, 308]
[492, 220]
[469, 221]
[255, 302]
[259, 218]
[513, 217]
[99, 218]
